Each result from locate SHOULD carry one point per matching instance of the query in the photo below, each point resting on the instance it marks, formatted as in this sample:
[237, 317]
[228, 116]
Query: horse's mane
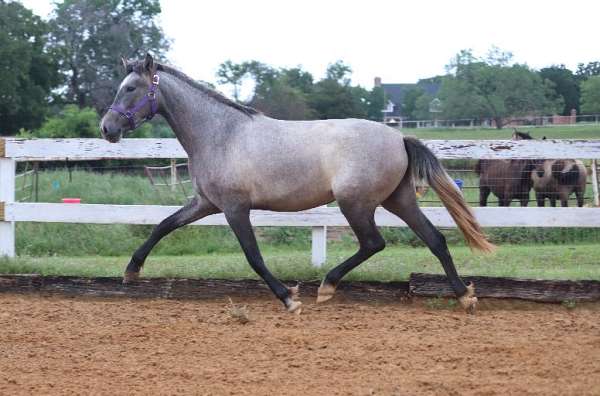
[249, 111]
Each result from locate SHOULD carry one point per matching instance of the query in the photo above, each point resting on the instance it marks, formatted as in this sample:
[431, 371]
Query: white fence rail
[13, 150]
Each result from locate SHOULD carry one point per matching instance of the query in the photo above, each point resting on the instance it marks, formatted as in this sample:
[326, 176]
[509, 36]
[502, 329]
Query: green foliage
[409, 103]
[585, 71]
[565, 86]
[279, 100]
[375, 104]
[291, 94]
[590, 95]
[491, 88]
[28, 70]
[88, 36]
[71, 122]
[232, 73]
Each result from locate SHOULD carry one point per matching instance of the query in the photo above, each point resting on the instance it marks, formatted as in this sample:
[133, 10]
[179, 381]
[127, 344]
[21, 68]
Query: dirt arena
[59, 345]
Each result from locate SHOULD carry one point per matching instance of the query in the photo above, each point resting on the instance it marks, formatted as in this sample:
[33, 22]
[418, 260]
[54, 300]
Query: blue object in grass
[459, 183]
[55, 184]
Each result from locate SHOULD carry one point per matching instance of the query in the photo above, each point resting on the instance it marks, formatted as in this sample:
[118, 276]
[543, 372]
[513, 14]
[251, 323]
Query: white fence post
[173, 174]
[319, 246]
[7, 195]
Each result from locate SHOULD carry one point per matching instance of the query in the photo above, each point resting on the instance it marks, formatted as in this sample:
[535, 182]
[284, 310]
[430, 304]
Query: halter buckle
[155, 79]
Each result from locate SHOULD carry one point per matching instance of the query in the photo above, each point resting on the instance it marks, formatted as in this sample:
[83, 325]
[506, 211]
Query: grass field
[578, 261]
[551, 132]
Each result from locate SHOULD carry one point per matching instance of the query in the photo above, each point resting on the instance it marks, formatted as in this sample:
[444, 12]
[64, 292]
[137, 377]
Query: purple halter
[149, 97]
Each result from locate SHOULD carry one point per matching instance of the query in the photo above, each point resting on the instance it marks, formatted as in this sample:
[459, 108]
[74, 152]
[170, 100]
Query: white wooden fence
[13, 150]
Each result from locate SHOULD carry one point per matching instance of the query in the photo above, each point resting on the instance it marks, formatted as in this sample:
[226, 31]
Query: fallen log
[420, 285]
[429, 285]
[187, 288]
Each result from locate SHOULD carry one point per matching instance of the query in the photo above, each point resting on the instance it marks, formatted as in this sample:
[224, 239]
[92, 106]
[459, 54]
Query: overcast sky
[399, 41]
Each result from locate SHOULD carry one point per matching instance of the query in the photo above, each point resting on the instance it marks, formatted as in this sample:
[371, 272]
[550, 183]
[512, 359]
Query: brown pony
[558, 179]
[507, 179]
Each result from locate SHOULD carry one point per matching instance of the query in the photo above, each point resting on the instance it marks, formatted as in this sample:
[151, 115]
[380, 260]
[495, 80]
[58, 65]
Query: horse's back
[291, 165]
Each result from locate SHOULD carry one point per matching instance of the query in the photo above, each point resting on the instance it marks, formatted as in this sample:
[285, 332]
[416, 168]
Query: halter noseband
[131, 112]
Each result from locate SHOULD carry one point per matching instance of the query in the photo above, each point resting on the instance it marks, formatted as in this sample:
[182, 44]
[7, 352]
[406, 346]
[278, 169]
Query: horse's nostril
[104, 129]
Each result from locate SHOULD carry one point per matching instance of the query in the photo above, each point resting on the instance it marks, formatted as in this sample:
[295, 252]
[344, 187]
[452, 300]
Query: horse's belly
[284, 196]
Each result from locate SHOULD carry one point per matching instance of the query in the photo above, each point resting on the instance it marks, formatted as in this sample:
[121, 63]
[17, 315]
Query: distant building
[392, 113]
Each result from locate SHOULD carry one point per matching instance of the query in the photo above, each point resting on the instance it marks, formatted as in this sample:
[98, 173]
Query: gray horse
[241, 160]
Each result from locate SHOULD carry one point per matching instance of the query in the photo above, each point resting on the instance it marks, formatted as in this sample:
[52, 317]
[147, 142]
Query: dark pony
[506, 179]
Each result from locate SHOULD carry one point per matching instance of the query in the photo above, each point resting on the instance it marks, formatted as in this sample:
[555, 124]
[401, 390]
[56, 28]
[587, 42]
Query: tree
[409, 102]
[282, 101]
[28, 71]
[375, 104]
[232, 73]
[89, 36]
[491, 88]
[585, 71]
[565, 86]
[590, 95]
[334, 97]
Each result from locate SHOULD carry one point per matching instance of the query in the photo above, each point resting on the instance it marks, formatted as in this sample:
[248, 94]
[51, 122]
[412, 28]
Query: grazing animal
[507, 179]
[241, 160]
[558, 179]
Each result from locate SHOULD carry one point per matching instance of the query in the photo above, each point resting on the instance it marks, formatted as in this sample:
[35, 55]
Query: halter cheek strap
[130, 113]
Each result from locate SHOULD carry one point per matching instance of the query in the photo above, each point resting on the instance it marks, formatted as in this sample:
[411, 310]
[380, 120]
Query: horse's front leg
[196, 209]
[239, 220]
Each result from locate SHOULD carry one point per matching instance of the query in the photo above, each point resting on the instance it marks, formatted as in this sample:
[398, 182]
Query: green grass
[578, 261]
[48, 239]
[551, 132]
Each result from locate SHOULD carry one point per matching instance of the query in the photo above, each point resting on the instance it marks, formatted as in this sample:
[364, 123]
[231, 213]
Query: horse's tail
[566, 177]
[425, 166]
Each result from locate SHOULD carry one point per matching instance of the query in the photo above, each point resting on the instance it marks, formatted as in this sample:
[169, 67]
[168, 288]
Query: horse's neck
[196, 120]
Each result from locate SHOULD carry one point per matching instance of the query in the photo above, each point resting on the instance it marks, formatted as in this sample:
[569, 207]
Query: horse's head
[135, 101]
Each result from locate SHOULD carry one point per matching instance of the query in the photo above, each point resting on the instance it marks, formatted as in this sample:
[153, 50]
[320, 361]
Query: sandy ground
[56, 345]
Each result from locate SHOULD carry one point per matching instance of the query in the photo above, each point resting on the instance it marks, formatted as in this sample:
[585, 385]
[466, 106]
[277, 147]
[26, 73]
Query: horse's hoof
[294, 292]
[325, 292]
[468, 301]
[130, 277]
[295, 307]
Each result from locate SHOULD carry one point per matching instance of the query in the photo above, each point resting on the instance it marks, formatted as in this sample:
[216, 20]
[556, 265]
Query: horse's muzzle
[111, 136]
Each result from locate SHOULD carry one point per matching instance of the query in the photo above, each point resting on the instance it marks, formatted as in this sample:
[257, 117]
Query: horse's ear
[124, 63]
[149, 63]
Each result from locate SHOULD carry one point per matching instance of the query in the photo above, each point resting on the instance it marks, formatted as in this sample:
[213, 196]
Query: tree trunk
[499, 122]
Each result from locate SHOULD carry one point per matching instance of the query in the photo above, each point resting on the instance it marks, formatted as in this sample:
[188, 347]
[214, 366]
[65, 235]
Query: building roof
[396, 92]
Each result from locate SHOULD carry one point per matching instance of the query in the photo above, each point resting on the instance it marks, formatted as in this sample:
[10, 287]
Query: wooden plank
[188, 288]
[429, 285]
[88, 149]
[512, 149]
[323, 216]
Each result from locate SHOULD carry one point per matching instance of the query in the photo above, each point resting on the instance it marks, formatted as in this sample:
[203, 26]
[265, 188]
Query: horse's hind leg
[362, 221]
[196, 209]
[403, 204]
[239, 220]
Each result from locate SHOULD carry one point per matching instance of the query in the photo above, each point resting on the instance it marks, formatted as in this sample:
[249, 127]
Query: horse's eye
[130, 89]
